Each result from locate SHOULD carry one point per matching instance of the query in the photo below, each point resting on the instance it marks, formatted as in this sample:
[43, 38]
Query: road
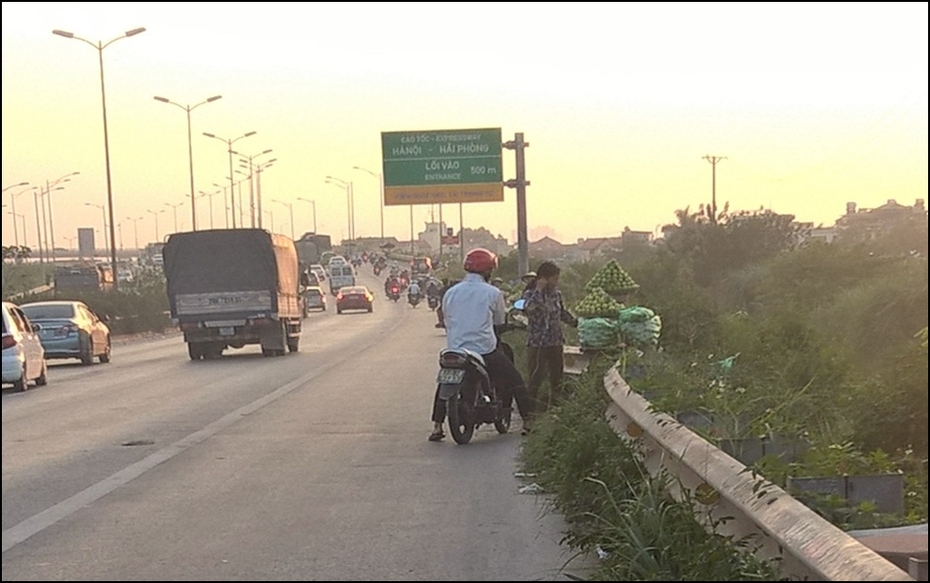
[310, 466]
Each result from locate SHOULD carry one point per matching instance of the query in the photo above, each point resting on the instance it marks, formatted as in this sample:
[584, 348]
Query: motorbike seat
[470, 354]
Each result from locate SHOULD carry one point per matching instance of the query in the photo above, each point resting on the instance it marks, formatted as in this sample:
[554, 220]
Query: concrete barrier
[808, 546]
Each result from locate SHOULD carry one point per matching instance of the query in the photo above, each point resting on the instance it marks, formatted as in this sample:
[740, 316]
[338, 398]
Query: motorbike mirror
[519, 304]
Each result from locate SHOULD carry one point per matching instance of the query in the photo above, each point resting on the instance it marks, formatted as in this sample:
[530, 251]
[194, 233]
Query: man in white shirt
[471, 309]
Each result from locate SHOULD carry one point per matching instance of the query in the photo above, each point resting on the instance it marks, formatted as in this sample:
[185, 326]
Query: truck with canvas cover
[232, 287]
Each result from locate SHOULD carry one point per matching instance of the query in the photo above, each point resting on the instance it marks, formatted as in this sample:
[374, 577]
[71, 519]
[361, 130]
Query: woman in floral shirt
[545, 312]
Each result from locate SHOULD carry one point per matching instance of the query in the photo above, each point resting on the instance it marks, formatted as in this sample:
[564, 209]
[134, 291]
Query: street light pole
[23, 219]
[259, 168]
[106, 141]
[290, 207]
[13, 196]
[232, 194]
[190, 147]
[338, 182]
[175, 207]
[380, 178]
[246, 162]
[35, 195]
[13, 208]
[135, 229]
[51, 223]
[210, 195]
[155, 214]
[313, 202]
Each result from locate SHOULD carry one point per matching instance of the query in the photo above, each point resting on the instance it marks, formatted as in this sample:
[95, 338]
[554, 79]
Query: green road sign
[445, 166]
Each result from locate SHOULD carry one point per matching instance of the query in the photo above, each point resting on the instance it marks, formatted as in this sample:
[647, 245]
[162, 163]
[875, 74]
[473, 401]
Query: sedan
[71, 330]
[315, 298]
[354, 298]
[23, 355]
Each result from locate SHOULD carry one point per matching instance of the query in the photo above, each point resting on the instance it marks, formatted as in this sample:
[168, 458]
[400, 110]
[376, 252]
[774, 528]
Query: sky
[812, 105]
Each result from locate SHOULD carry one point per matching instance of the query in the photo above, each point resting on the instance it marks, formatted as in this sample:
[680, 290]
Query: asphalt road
[310, 466]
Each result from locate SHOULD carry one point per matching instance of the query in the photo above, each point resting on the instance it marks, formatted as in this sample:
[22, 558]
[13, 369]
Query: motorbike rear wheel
[460, 425]
[502, 425]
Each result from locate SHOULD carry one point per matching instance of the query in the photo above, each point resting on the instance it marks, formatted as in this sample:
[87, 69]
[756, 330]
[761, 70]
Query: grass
[615, 508]
[21, 277]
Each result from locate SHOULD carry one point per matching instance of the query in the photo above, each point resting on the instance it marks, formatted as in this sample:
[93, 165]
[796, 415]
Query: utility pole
[520, 183]
[713, 192]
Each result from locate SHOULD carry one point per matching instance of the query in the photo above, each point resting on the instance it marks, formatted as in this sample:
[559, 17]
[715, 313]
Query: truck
[311, 246]
[231, 287]
[83, 277]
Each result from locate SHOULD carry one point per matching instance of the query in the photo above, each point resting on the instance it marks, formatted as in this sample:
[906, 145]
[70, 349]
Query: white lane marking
[39, 522]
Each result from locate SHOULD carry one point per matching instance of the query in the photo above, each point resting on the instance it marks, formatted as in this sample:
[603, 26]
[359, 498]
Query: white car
[319, 271]
[23, 355]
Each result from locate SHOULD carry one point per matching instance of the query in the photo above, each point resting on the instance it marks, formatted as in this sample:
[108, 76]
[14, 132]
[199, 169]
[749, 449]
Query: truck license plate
[450, 376]
[227, 331]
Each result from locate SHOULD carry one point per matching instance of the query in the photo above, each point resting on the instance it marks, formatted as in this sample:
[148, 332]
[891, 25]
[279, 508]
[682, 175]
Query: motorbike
[470, 396]
[394, 293]
[413, 299]
[432, 302]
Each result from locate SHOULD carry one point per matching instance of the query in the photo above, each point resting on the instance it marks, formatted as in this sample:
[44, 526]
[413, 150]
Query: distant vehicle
[421, 266]
[325, 256]
[337, 260]
[158, 260]
[23, 354]
[311, 247]
[232, 287]
[83, 278]
[341, 276]
[319, 271]
[71, 330]
[354, 298]
[124, 275]
[315, 299]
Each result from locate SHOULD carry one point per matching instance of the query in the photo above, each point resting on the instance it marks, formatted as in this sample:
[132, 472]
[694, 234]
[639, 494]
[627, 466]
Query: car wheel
[42, 379]
[369, 309]
[22, 383]
[338, 310]
[87, 357]
[105, 357]
[194, 351]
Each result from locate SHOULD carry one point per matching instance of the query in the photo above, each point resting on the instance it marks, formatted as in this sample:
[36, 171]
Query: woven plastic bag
[597, 332]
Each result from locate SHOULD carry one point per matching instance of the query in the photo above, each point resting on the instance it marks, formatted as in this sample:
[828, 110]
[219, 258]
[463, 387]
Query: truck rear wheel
[293, 344]
[194, 351]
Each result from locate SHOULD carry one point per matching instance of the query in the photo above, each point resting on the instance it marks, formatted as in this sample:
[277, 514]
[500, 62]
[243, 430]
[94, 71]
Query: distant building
[547, 247]
[874, 222]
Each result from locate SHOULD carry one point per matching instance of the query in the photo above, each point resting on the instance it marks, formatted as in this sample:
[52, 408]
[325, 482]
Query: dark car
[355, 297]
[70, 330]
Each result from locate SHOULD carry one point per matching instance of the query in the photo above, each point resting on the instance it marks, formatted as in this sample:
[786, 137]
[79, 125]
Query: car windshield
[354, 290]
[48, 311]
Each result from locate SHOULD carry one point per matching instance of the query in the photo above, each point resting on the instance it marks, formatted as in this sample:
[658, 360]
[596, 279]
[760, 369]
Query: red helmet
[480, 261]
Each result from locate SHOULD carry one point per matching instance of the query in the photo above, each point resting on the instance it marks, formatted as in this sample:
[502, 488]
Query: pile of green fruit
[597, 304]
[612, 279]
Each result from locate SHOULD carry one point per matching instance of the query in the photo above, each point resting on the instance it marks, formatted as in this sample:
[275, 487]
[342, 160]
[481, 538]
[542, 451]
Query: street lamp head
[63, 33]
[135, 31]
[249, 134]
[268, 151]
[214, 98]
[162, 99]
[209, 135]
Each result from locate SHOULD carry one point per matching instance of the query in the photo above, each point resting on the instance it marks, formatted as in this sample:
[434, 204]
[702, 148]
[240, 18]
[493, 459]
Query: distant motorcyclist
[432, 290]
[413, 291]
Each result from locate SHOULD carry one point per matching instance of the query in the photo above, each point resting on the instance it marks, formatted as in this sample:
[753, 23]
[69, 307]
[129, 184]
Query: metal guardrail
[35, 290]
[808, 546]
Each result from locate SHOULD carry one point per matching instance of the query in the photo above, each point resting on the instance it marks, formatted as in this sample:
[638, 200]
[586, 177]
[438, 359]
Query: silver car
[23, 355]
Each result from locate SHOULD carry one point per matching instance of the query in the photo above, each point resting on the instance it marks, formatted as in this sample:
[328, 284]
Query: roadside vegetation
[814, 344]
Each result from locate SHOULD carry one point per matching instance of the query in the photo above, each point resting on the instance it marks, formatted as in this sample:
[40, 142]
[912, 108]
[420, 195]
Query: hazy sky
[813, 105]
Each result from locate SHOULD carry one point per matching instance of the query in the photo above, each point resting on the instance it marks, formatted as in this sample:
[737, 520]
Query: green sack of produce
[644, 333]
[597, 332]
[635, 314]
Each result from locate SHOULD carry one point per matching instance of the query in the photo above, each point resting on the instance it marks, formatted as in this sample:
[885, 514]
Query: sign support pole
[441, 233]
[518, 145]
[413, 252]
